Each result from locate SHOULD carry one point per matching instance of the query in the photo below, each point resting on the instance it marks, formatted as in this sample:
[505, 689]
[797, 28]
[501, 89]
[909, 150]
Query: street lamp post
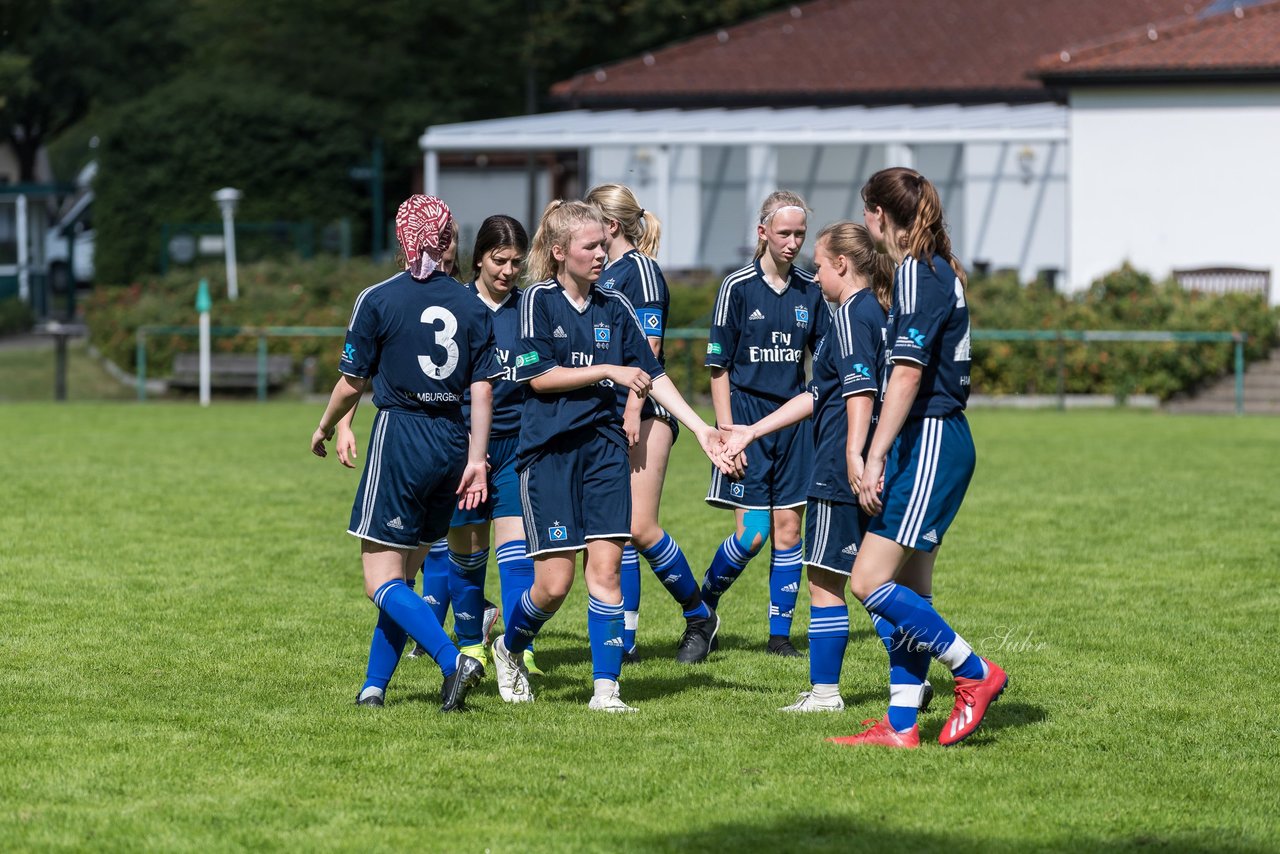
[227, 198]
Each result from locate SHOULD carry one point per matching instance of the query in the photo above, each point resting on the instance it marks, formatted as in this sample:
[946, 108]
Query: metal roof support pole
[24, 241]
[431, 172]
[900, 154]
[662, 174]
[762, 179]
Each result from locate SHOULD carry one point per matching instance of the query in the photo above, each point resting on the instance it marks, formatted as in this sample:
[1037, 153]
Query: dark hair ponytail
[912, 203]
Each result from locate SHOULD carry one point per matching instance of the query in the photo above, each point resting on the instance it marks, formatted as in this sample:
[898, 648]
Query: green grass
[184, 633]
[29, 374]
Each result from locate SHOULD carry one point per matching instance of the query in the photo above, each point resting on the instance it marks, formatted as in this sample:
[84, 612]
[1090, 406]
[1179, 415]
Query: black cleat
[699, 639]
[781, 645]
[926, 696]
[631, 656]
[372, 698]
[453, 692]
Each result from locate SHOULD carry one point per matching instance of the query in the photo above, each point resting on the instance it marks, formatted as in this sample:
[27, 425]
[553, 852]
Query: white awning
[944, 123]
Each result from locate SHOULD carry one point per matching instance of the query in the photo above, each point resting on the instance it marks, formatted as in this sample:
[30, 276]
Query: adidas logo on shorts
[756, 315]
[613, 642]
[559, 333]
[396, 523]
[851, 549]
[931, 537]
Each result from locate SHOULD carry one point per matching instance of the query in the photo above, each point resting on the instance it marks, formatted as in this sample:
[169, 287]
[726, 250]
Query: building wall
[1174, 177]
[474, 194]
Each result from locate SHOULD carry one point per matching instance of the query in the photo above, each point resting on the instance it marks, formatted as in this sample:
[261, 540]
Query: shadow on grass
[809, 832]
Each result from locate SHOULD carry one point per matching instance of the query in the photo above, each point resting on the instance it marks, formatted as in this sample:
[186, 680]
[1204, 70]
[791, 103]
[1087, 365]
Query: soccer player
[498, 258]
[631, 241]
[848, 367]
[424, 340]
[766, 316]
[578, 342]
[921, 457]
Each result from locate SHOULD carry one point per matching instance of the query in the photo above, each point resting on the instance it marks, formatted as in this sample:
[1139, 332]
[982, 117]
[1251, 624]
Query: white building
[1061, 170]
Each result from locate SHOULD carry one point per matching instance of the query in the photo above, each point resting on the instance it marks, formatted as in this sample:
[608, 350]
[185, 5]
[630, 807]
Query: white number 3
[444, 338]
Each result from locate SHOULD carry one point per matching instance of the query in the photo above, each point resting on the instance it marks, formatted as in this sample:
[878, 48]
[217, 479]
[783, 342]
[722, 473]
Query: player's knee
[862, 586]
[645, 535]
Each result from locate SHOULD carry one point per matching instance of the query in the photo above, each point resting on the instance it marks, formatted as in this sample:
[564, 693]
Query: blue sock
[828, 638]
[466, 591]
[908, 667]
[435, 580]
[672, 568]
[604, 629]
[398, 601]
[917, 620]
[729, 562]
[784, 587]
[524, 623]
[515, 575]
[630, 597]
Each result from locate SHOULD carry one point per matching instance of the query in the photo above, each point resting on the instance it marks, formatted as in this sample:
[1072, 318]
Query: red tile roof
[1240, 42]
[868, 51]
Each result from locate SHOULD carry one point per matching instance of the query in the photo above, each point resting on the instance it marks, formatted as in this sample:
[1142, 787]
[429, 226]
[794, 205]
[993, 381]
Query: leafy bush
[283, 292]
[289, 292]
[1125, 299]
[15, 316]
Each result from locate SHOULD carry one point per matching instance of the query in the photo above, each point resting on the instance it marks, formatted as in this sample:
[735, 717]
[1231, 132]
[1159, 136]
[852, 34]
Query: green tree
[57, 57]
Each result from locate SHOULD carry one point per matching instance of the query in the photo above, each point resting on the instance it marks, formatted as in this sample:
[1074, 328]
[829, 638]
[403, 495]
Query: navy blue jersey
[849, 360]
[554, 332]
[760, 335]
[423, 343]
[929, 325]
[640, 280]
[508, 395]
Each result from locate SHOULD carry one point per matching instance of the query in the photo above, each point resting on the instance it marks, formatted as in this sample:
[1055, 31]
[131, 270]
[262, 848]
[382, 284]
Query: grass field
[184, 633]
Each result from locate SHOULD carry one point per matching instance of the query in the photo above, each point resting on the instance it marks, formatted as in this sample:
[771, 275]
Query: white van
[73, 228]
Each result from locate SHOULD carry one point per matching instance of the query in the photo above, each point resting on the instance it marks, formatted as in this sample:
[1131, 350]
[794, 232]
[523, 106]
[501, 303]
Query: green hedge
[1124, 299]
[320, 293]
[15, 316]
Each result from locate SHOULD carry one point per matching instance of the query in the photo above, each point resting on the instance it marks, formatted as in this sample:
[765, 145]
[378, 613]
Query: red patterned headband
[424, 227]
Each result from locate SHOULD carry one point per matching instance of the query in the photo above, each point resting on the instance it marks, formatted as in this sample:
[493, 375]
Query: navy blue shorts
[578, 490]
[504, 486]
[925, 477]
[411, 472]
[651, 409]
[779, 465]
[833, 534]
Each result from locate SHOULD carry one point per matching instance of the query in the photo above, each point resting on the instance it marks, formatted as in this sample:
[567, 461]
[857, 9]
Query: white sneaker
[811, 702]
[490, 619]
[609, 700]
[513, 682]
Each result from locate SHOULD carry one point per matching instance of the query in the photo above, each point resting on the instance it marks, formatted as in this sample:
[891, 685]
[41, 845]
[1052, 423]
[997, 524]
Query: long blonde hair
[911, 200]
[559, 220]
[638, 225]
[777, 200]
[854, 242]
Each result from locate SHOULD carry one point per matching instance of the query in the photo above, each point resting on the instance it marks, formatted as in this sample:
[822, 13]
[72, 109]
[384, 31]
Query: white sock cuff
[906, 695]
[956, 654]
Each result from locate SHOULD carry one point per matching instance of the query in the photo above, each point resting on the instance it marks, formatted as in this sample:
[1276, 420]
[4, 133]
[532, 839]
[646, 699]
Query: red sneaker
[972, 698]
[882, 734]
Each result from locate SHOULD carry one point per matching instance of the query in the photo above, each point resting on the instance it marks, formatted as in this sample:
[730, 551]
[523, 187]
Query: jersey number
[444, 339]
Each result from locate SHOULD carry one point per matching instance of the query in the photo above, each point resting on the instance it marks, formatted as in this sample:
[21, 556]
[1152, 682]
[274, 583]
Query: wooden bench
[230, 371]
[1224, 280]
